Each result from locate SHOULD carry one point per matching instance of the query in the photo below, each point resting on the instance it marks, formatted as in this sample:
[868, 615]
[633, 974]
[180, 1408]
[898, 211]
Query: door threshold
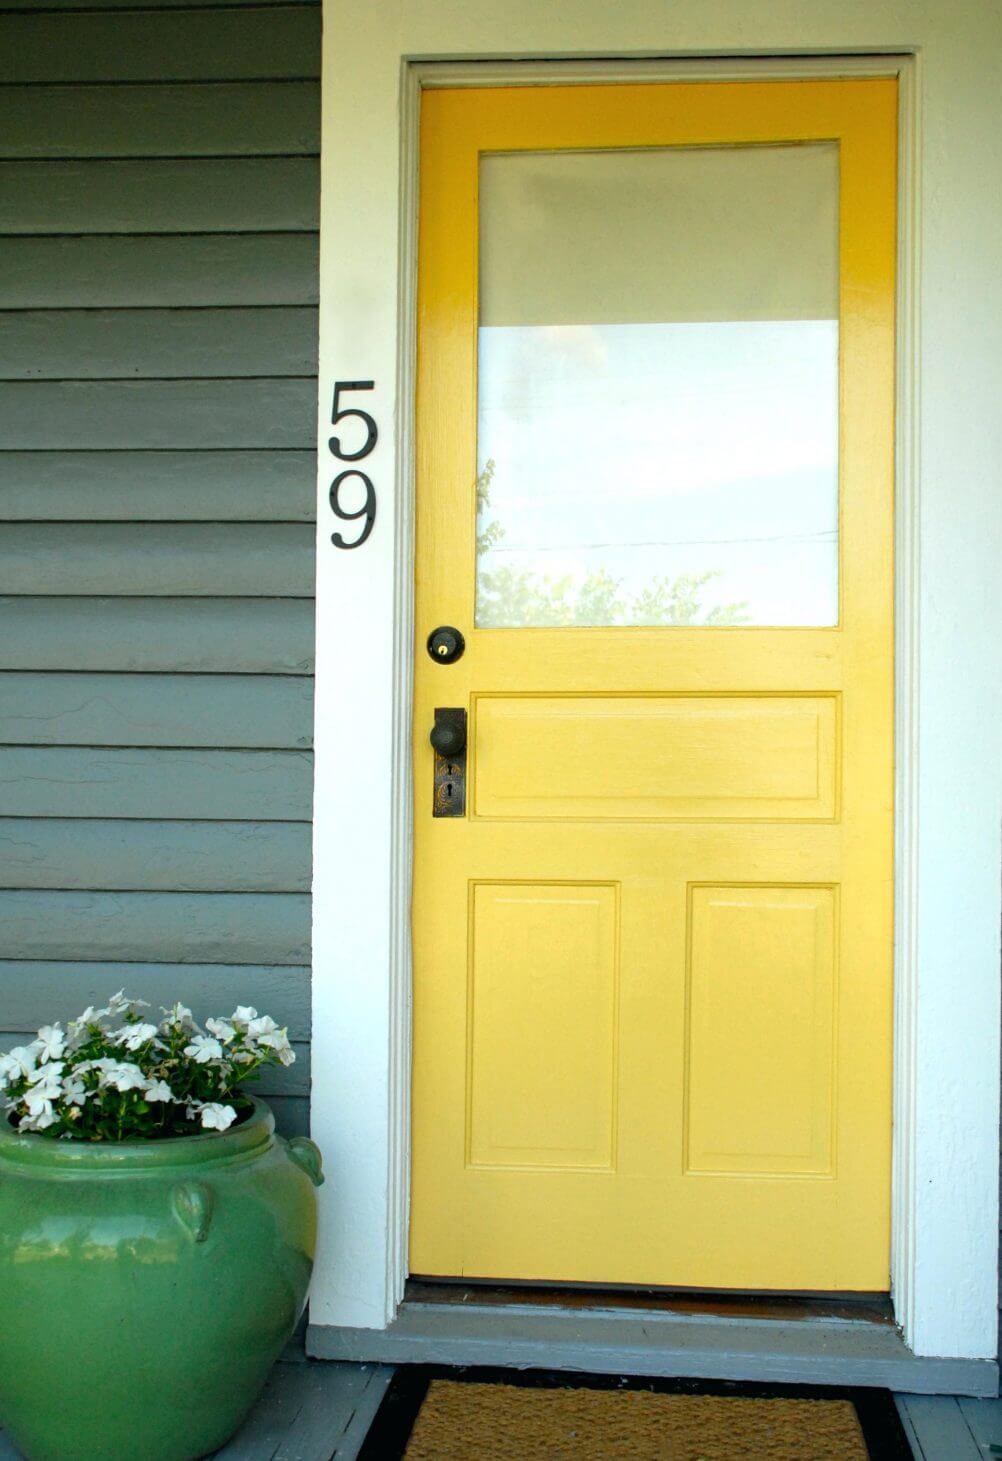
[779, 1340]
[865, 1307]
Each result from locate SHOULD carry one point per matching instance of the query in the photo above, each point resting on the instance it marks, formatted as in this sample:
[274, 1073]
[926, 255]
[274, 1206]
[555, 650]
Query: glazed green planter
[146, 1288]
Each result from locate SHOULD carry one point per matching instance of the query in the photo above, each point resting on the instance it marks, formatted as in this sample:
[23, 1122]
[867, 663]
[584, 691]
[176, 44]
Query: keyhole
[448, 790]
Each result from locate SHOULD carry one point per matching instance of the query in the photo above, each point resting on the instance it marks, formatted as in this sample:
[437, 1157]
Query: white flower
[132, 1036]
[127, 1077]
[203, 1048]
[79, 1031]
[120, 1002]
[48, 1077]
[263, 1025]
[243, 1014]
[158, 1091]
[179, 1015]
[222, 1029]
[74, 1092]
[51, 1042]
[279, 1042]
[121, 1074]
[45, 1117]
[216, 1117]
[90, 1016]
[18, 1062]
[39, 1100]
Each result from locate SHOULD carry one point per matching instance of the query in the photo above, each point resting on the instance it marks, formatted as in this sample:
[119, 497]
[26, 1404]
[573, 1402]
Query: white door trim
[949, 782]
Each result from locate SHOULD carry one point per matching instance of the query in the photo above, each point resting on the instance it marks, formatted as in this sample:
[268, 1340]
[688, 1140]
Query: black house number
[366, 514]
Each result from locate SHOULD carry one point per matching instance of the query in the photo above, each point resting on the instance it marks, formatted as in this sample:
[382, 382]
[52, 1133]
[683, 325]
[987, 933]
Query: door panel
[543, 958]
[759, 1090]
[655, 758]
[652, 1003]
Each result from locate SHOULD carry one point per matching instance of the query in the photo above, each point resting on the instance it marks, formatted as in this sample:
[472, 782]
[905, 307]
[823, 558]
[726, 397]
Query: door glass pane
[658, 387]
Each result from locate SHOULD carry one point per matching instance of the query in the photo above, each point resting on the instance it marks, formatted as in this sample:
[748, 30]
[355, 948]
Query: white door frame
[377, 56]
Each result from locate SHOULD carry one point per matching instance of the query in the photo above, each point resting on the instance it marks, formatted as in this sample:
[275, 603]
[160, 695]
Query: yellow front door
[652, 951]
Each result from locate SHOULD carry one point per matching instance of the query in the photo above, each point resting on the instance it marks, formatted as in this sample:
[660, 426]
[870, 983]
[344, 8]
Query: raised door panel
[541, 1086]
[760, 1071]
[747, 758]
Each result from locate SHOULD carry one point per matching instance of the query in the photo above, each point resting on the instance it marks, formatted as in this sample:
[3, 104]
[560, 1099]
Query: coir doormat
[438, 1414]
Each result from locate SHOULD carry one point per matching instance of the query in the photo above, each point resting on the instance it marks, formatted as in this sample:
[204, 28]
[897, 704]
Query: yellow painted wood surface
[652, 1012]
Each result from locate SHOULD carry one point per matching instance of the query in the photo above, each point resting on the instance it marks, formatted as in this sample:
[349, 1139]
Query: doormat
[432, 1413]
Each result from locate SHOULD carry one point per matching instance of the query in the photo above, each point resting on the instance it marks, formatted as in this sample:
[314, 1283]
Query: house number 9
[367, 512]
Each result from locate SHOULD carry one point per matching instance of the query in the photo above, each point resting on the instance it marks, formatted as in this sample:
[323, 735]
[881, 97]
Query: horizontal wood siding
[208, 989]
[268, 42]
[174, 559]
[230, 119]
[157, 710]
[65, 5]
[244, 636]
[196, 195]
[205, 269]
[148, 856]
[160, 344]
[201, 928]
[277, 413]
[159, 197]
[92, 781]
[241, 485]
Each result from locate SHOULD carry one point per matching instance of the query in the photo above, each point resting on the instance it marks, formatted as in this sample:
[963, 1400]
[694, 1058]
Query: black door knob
[445, 644]
[448, 736]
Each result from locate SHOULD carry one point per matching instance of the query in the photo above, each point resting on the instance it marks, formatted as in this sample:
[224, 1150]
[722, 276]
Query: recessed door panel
[652, 957]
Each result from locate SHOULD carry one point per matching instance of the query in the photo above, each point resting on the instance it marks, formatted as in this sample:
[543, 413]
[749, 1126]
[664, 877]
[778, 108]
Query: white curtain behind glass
[658, 387]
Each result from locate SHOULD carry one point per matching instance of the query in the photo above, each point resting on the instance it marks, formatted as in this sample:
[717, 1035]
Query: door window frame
[946, 1063]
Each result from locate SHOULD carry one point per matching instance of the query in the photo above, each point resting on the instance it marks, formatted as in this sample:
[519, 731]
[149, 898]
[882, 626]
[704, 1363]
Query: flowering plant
[113, 1076]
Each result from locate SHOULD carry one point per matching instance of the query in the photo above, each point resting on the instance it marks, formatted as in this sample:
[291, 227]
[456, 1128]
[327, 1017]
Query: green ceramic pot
[146, 1288]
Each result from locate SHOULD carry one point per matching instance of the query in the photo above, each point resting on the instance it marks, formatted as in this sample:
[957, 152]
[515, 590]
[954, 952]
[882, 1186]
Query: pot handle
[193, 1202]
[306, 1154]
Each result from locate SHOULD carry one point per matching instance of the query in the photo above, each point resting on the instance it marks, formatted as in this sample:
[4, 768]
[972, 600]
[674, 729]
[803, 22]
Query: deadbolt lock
[445, 644]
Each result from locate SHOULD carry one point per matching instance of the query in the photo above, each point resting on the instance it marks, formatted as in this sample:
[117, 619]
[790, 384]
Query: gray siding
[158, 284]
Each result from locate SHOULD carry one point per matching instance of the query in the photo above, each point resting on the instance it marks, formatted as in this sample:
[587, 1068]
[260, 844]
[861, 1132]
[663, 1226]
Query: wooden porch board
[311, 1412]
[335, 1409]
[950, 1428]
[269, 1421]
[985, 1420]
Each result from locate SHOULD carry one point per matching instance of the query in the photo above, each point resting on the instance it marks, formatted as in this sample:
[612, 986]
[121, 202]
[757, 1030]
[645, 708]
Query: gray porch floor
[944, 1428]
[311, 1411]
[320, 1410]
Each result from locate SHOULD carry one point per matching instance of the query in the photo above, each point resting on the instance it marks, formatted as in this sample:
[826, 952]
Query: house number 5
[367, 511]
